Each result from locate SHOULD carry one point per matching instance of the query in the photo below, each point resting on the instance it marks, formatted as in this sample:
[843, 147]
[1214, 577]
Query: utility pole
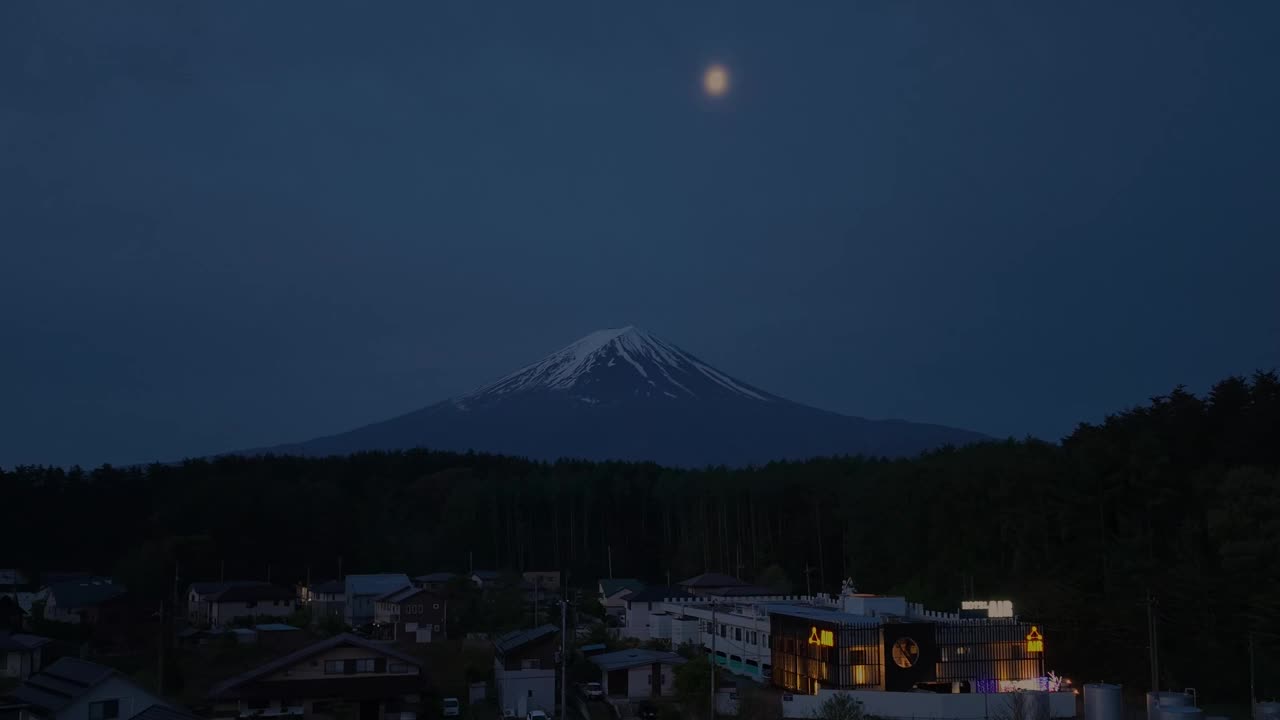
[222, 571]
[340, 577]
[268, 572]
[1152, 643]
[163, 638]
[609, 550]
[1253, 695]
[712, 659]
[808, 590]
[564, 655]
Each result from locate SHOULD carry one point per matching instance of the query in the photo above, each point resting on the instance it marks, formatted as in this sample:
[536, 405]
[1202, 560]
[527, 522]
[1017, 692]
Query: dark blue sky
[227, 225]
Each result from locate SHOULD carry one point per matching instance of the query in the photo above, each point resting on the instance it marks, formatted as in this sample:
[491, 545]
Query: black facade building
[816, 649]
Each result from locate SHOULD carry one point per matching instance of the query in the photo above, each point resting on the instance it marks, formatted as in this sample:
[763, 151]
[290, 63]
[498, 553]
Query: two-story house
[201, 595]
[344, 676]
[21, 655]
[524, 670]
[242, 603]
[74, 689]
[324, 599]
[436, 581]
[85, 601]
[362, 590]
[613, 595]
[411, 615]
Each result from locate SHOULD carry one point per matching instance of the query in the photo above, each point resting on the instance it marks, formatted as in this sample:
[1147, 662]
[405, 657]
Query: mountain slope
[626, 394]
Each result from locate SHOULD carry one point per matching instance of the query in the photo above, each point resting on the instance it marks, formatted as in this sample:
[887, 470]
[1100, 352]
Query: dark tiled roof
[84, 593]
[486, 574]
[612, 587]
[711, 580]
[520, 638]
[349, 687]
[743, 591]
[164, 712]
[398, 594]
[11, 642]
[658, 593]
[624, 659]
[213, 588]
[253, 593]
[61, 683]
[436, 577]
[231, 688]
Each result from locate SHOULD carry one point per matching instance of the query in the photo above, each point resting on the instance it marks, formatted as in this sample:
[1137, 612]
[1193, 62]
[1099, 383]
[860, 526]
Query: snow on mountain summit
[615, 364]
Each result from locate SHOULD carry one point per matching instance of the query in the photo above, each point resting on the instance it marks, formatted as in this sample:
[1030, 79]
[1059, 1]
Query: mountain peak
[617, 363]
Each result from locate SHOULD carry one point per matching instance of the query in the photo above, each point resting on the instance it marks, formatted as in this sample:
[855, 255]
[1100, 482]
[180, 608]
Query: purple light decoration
[986, 686]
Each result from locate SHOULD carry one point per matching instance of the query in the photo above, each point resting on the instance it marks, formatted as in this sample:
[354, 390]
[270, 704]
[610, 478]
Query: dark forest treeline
[1179, 499]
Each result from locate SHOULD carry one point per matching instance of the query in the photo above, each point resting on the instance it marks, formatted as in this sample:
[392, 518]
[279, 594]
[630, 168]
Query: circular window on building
[905, 652]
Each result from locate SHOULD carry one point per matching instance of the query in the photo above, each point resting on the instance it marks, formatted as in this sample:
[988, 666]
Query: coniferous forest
[1171, 508]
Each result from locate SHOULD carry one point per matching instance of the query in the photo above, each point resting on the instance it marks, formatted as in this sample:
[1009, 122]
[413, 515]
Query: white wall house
[21, 655]
[637, 674]
[524, 670]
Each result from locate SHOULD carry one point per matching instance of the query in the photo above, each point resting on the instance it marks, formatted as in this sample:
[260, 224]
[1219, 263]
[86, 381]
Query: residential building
[242, 603]
[201, 596]
[640, 605]
[411, 615]
[436, 581]
[344, 676]
[524, 670]
[74, 689]
[636, 674]
[712, 584]
[360, 591]
[544, 581]
[21, 654]
[485, 579]
[324, 599]
[858, 642]
[613, 594]
[86, 601]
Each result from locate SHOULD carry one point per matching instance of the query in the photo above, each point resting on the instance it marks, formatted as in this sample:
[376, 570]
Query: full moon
[716, 81]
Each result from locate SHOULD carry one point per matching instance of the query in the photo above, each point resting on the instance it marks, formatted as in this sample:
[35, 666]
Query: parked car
[536, 715]
[508, 714]
[593, 690]
[648, 711]
[451, 707]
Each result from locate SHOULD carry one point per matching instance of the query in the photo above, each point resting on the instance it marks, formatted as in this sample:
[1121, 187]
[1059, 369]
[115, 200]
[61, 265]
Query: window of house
[737, 634]
[724, 630]
[398, 668]
[755, 638]
[766, 641]
[333, 667]
[104, 710]
[530, 693]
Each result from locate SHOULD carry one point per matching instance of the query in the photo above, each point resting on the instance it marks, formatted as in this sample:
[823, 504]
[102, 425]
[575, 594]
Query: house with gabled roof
[711, 584]
[613, 594]
[74, 689]
[410, 615]
[362, 590]
[343, 676]
[81, 601]
[524, 669]
[201, 595]
[640, 606]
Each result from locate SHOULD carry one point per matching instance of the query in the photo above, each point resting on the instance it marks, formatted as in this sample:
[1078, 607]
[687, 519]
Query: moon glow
[715, 81]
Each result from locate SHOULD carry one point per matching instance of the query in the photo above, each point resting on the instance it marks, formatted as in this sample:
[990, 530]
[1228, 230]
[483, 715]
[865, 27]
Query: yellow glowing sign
[1035, 641]
[821, 637]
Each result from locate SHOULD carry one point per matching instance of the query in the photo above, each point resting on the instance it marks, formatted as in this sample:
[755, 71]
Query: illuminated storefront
[817, 649]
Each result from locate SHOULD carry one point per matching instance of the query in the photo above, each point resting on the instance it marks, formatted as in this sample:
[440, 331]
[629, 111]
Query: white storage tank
[1103, 701]
[1163, 699]
[1181, 712]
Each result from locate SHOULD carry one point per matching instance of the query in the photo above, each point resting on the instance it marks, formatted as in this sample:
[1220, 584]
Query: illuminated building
[859, 642]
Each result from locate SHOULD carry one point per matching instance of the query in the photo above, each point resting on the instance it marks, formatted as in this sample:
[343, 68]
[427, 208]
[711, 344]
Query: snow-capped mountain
[614, 365]
[625, 394]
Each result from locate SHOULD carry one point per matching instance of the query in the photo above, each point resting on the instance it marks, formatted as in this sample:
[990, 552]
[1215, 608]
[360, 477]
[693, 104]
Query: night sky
[228, 225]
